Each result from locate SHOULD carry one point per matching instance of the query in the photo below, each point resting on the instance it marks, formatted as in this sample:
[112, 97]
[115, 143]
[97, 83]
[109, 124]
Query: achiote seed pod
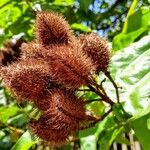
[52, 28]
[69, 65]
[97, 49]
[28, 79]
[64, 115]
[43, 131]
[11, 52]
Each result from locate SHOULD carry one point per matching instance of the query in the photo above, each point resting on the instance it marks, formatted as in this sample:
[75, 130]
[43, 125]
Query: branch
[100, 119]
[104, 97]
[92, 100]
[114, 84]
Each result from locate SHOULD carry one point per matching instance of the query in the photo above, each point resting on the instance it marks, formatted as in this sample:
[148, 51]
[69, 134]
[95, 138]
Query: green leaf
[7, 112]
[63, 2]
[107, 137]
[139, 123]
[140, 114]
[107, 132]
[123, 40]
[15, 121]
[84, 5]
[96, 108]
[78, 26]
[140, 92]
[88, 132]
[141, 131]
[133, 29]
[148, 123]
[24, 143]
[90, 136]
[122, 140]
[2, 134]
[133, 74]
[88, 143]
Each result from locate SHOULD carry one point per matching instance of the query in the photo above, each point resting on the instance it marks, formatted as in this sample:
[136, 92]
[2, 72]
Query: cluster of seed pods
[50, 70]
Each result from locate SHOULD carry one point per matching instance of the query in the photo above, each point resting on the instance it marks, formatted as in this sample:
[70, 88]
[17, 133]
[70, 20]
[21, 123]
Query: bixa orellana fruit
[51, 68]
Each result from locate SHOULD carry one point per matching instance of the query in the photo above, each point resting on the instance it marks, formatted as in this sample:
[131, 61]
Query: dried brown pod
[32, 50]
[11, 52]
[65, 108]
[70, 65]
[52, 28]
[64, 115]
[96, 48]
[28, 79]
[43, 131]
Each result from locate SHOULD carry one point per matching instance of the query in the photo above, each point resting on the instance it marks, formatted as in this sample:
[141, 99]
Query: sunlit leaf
[134, 28]
[7, 112]
[141, 131]
[63, 2]
[88, 143]
[77, 26]
[24, 143]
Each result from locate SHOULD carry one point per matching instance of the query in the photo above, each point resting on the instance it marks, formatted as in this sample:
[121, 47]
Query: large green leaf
[139, 124]
[107, 137]
[130, 68]
[104, 132]
[134, 29]
[24, 143]
[141, 131]
[133, 74]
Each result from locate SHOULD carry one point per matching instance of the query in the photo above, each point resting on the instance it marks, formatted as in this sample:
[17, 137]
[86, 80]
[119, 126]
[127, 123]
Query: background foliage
[126, 24]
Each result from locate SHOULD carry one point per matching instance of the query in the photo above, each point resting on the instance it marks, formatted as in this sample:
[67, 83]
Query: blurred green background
[126, 25]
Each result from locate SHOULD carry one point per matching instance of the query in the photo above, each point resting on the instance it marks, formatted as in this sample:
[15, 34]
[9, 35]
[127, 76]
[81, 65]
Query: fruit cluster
[50, 71]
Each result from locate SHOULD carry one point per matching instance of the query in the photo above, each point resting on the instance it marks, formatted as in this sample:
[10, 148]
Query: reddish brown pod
[11, 52]
[28, 79]
[96, 48]
[62, 118]
[54, 136]
[51, 28]
[66, 102]
[70, 66]
[32, 50]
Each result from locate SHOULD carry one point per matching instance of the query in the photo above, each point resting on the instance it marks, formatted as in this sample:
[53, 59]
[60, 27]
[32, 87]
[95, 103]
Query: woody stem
[108, 75]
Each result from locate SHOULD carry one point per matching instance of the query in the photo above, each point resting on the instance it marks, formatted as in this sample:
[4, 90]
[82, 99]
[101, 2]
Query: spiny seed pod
[57, 120]
[70, 66]
[64, 115]
[52, 28]
[65, 108]
[97, 49]
[11, 52]
[31, 50]
[28, 79]
[45, 132]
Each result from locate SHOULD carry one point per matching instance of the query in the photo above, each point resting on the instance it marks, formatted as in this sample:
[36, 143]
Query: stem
[100, 119]
[114, 84]
[92, 100]
[84, 90]
[104, 97]
[130, 12]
